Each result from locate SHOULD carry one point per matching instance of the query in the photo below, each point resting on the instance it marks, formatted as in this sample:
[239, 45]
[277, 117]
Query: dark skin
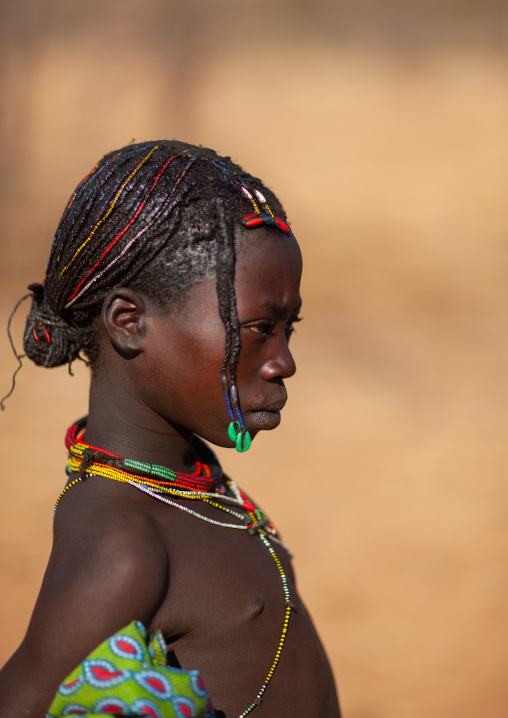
[120, 555]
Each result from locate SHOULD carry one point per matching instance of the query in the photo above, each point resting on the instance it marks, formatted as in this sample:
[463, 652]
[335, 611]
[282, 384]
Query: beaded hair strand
[157, 217]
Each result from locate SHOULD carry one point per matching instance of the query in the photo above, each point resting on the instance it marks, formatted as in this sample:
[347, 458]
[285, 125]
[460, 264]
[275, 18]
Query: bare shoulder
[108, 567]
[106, 541]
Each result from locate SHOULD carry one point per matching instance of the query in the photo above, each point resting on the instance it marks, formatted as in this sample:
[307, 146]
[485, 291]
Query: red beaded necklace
[201, 479]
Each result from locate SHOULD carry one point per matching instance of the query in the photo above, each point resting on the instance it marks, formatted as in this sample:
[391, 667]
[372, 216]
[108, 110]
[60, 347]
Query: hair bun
[48, 340]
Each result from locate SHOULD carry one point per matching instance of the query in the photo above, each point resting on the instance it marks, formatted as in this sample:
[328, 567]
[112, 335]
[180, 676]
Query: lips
[263, 420]
[267, 416]
[273, 408]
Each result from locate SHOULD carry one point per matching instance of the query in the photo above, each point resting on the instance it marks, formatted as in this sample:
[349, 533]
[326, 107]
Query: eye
[289, 326]
[289, 329]
[268, 327]
[263, 328]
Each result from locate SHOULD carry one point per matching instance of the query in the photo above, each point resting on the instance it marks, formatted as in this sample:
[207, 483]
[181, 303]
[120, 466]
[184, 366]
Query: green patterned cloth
[126, 676]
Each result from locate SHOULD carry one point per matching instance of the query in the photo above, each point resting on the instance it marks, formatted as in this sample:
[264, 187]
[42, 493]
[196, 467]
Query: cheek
[191, 360]
[253, 354]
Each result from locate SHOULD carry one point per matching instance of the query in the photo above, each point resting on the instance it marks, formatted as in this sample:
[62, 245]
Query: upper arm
[97, 581]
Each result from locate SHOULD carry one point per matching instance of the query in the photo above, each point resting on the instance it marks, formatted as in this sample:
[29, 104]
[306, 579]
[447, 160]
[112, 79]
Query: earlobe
[124, 317]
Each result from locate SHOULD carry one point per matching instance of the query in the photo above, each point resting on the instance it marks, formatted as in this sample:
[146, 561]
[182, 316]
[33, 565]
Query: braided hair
[157, 217]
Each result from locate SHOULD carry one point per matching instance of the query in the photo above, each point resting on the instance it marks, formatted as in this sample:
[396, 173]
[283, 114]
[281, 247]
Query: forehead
[268, 268]
[267, 277]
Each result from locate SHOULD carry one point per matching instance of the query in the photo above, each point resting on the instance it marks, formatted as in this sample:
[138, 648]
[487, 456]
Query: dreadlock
[157, 217]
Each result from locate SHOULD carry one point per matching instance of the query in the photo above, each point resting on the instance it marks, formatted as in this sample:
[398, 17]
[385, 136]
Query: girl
[175, 274]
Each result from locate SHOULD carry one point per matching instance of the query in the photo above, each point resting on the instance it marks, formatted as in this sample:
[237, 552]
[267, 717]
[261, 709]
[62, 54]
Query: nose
[280, 364]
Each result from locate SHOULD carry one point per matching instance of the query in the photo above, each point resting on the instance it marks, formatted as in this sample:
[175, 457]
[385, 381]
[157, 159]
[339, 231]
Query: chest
[226, 614]
[222, 578]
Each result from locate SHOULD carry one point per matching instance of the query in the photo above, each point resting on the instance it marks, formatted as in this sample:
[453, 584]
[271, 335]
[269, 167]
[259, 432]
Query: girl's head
[157, 218]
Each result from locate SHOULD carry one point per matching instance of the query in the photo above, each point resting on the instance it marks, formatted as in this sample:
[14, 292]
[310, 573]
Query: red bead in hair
[256, 219]
[254, 222]
[282, 225]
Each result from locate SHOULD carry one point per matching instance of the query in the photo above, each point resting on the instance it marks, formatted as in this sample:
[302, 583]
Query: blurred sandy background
[383, 127]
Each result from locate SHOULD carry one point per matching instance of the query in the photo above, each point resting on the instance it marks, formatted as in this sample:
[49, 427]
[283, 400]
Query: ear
[124, 316]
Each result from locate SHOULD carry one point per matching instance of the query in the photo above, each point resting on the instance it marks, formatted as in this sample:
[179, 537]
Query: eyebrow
[280, 310]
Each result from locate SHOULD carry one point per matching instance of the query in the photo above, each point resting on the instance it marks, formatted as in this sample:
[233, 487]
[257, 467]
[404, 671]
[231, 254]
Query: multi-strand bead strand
[252, 519]
[200, 480]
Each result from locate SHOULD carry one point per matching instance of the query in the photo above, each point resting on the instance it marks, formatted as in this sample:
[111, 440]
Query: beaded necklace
[213, 489]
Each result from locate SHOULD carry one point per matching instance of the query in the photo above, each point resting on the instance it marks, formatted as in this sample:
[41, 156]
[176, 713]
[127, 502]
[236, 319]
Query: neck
[119, 422]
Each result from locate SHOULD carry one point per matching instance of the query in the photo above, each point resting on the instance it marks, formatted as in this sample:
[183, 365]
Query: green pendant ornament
[241, 438]
[233, 430]
[243, 442]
